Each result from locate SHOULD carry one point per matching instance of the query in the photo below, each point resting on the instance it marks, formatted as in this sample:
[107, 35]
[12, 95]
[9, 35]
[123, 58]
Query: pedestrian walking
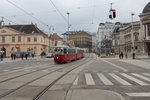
[133, 55]
[12, 56]
[1, 56]
[120, 55]
[22, 55]
[32, 54]
[26, 55]
[126, 55]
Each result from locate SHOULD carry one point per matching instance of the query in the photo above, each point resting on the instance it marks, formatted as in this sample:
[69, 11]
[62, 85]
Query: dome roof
[147, 8]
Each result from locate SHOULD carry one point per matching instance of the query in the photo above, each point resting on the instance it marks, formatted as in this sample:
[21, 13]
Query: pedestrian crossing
[110, 79]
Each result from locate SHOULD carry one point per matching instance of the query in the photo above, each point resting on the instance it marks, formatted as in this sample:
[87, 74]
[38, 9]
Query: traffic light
[112, 14]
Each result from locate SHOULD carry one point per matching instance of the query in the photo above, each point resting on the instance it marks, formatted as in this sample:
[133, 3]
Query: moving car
[49, 55]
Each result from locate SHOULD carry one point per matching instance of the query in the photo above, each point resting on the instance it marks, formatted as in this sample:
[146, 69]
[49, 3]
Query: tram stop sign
[17, 46]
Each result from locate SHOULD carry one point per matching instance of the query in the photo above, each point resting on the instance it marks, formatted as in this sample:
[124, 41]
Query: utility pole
[133, 45]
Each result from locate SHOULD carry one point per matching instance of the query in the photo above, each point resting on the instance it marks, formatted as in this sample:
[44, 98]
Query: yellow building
[23, 38]
[81, 39]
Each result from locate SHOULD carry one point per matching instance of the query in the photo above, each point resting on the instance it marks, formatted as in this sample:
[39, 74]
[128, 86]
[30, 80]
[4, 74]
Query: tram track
[56, 70]
[53, 83]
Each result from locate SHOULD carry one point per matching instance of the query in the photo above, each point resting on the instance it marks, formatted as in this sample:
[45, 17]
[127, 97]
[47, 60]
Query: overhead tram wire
[58, 11]
[8, 20]
[26, 12]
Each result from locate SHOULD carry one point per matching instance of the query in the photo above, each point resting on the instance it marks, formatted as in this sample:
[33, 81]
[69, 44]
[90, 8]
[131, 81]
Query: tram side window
[71, 51]
[65, 51]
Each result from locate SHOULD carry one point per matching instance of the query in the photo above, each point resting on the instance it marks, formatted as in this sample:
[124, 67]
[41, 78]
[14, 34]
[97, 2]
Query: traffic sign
[17, 46]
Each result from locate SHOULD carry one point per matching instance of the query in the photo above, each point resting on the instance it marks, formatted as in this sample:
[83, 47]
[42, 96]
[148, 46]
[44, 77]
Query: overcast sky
[84, 14]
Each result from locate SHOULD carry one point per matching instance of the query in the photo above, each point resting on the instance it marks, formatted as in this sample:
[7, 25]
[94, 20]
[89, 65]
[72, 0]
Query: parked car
[49, 55]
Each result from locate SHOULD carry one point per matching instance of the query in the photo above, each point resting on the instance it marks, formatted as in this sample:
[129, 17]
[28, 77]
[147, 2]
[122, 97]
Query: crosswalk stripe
[141, 76]
[144, 94]
[119, 79]
[146, 74]
[89, 79]
[104, 79]
[76, 81]
[134, 79]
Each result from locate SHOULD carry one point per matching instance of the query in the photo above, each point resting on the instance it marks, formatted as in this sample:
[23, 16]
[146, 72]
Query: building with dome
[135, 37]
[145, 24]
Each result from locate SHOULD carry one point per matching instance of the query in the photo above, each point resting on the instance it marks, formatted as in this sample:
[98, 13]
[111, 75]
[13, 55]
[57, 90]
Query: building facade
[135, 37]
[81, 39]
[104, 34]
[56, 39]
[23, 38]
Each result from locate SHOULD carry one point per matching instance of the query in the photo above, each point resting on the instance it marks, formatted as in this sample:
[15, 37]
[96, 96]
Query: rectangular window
[13, 39]
[19, 38]
[28, 39]
[35, 39]
[3, 39]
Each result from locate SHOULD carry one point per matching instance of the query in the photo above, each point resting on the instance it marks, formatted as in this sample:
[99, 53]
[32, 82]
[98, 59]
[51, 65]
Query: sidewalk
[6, 60]
[138, 61]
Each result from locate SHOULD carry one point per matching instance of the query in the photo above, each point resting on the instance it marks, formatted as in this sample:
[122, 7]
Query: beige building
[23, 38]
[56, 39]
[81, 39]
[134, 37]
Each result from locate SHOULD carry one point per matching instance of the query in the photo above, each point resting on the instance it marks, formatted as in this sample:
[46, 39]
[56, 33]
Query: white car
[49, 55]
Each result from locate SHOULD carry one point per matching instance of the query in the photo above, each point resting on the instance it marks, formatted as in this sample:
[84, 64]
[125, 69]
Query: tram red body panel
[80, 55]
[64, 57]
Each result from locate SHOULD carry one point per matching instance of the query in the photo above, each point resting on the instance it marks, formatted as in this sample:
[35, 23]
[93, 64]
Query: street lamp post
[49, 33]
[68, 21]
[133, 45]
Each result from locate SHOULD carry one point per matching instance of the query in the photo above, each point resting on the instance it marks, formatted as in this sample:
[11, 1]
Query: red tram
[66, 54]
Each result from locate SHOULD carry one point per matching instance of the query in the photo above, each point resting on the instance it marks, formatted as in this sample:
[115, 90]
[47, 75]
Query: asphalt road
[19, 77]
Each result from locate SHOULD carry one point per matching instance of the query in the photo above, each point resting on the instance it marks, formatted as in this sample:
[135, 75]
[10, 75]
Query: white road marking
[76, 81]
[105, 71]
[147, 74]
[104, 79]
[141, 76]
[134, 79]
[125, 70]
[5, 70]
[17, 68]
[122, 81]
[115, 71]
[143, 94]
[89, 79]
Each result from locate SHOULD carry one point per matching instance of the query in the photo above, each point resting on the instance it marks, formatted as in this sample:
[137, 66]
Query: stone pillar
[146, 31]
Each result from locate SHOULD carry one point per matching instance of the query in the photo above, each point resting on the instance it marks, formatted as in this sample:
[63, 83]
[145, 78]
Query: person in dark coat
[26, 55]
[22, 55]
[12, 56]
[1, 56]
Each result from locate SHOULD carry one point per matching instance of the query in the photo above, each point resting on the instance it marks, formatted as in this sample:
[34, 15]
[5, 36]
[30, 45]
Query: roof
[147, 8]
[26, 29]
[55, 36]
